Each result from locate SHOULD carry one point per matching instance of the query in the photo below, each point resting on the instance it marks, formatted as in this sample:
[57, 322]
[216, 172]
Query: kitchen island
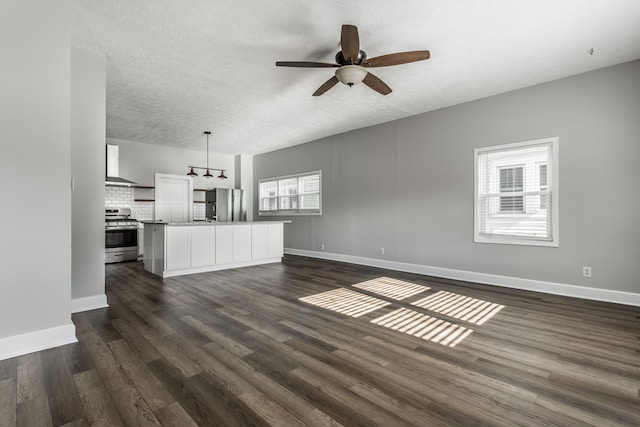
[175, 249]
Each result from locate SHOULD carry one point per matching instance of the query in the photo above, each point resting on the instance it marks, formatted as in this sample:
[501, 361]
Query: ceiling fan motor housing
[341, 61]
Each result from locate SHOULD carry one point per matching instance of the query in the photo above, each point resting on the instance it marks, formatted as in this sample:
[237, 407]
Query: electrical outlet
[586, 271]
[381, 251]
[322, 247]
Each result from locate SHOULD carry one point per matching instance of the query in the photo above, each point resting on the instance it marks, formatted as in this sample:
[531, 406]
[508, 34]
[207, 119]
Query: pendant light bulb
[192, 173]
[222, 175]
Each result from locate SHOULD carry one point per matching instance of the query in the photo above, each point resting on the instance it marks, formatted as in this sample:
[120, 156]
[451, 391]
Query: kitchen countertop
[203, 223]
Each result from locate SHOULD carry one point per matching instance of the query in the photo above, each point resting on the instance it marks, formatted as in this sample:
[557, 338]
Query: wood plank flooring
[313, 342]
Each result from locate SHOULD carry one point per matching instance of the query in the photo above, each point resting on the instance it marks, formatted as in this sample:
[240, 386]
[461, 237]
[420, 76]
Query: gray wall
[35, 167]
[407, 185]
[88, 130]
[244, 180]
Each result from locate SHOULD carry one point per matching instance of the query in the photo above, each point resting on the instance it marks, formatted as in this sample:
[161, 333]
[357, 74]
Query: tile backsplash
[123, 197]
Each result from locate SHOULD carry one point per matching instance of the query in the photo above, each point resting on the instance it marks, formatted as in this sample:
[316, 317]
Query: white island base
[187, 248]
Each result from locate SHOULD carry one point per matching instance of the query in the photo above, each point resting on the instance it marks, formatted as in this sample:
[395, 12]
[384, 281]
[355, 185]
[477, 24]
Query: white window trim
[555, 216]
[291, 212]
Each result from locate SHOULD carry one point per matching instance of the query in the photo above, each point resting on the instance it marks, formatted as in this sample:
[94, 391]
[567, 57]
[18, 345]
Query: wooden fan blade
[350, 43]
[376, 84]
[305, 64]
[397, 58]
[326, 86]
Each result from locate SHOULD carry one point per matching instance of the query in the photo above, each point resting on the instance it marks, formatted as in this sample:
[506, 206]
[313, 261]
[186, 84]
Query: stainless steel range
[121, 236]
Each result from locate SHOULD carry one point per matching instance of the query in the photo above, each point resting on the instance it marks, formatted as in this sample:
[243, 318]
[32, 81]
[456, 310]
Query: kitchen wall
[407, 186]
[35, 177]
[125, 197]
[139, 162]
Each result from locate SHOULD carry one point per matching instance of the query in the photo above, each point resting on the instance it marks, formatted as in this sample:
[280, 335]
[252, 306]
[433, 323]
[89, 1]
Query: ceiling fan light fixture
[351, 74]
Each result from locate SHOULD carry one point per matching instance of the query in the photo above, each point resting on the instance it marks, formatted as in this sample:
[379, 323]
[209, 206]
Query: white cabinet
[241, 242]
[259, 241]
[154, 248]
[203, 246]
[173, 250]
[267, 241]
[178, 248]
[224, 244]
[140, 241]
[276, 240]
[189, 247]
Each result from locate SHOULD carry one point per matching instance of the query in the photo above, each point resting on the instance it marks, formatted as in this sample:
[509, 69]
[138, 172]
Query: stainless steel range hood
[113, 168]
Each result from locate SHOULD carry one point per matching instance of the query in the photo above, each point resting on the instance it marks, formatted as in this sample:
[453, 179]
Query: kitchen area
[130, 193]
[209, 227]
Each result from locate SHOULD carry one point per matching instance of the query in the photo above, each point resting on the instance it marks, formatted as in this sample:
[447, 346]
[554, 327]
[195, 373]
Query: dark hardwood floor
[312, 342]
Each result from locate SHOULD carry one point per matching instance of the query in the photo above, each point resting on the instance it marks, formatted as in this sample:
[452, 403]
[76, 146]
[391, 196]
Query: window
[516, 193]
[511, 183]
[542, 179]
[291, 195]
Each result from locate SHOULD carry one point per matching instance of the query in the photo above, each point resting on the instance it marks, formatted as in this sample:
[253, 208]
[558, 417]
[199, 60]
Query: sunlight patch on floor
[406, 320]
[460, 307]
[391, 288]
[345, 301]
[423, 326]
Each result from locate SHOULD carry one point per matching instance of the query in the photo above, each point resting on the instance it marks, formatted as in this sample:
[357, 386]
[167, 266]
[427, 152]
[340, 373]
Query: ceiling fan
[352, 63]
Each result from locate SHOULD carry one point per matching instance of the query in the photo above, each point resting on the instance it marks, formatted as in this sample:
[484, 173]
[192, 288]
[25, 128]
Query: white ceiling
[176, 68]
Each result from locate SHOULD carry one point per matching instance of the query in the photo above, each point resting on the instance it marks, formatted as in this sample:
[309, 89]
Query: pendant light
[208, 174]
[208, 169]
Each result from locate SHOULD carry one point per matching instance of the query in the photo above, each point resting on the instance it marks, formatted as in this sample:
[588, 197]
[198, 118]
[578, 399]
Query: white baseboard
[88, 303]
[43, 339]
[605, 295]
[173, 273]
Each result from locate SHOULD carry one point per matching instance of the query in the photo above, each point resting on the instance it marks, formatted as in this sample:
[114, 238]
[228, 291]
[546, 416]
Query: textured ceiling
[176, 68]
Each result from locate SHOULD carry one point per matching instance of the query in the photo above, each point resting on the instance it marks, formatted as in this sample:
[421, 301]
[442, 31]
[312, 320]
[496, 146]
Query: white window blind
[516, 193]
[512, 182]
[291, 195]
[542, 169]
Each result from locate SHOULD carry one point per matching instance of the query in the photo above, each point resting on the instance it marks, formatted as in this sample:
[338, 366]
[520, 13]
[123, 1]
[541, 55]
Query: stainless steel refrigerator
[226, 205]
